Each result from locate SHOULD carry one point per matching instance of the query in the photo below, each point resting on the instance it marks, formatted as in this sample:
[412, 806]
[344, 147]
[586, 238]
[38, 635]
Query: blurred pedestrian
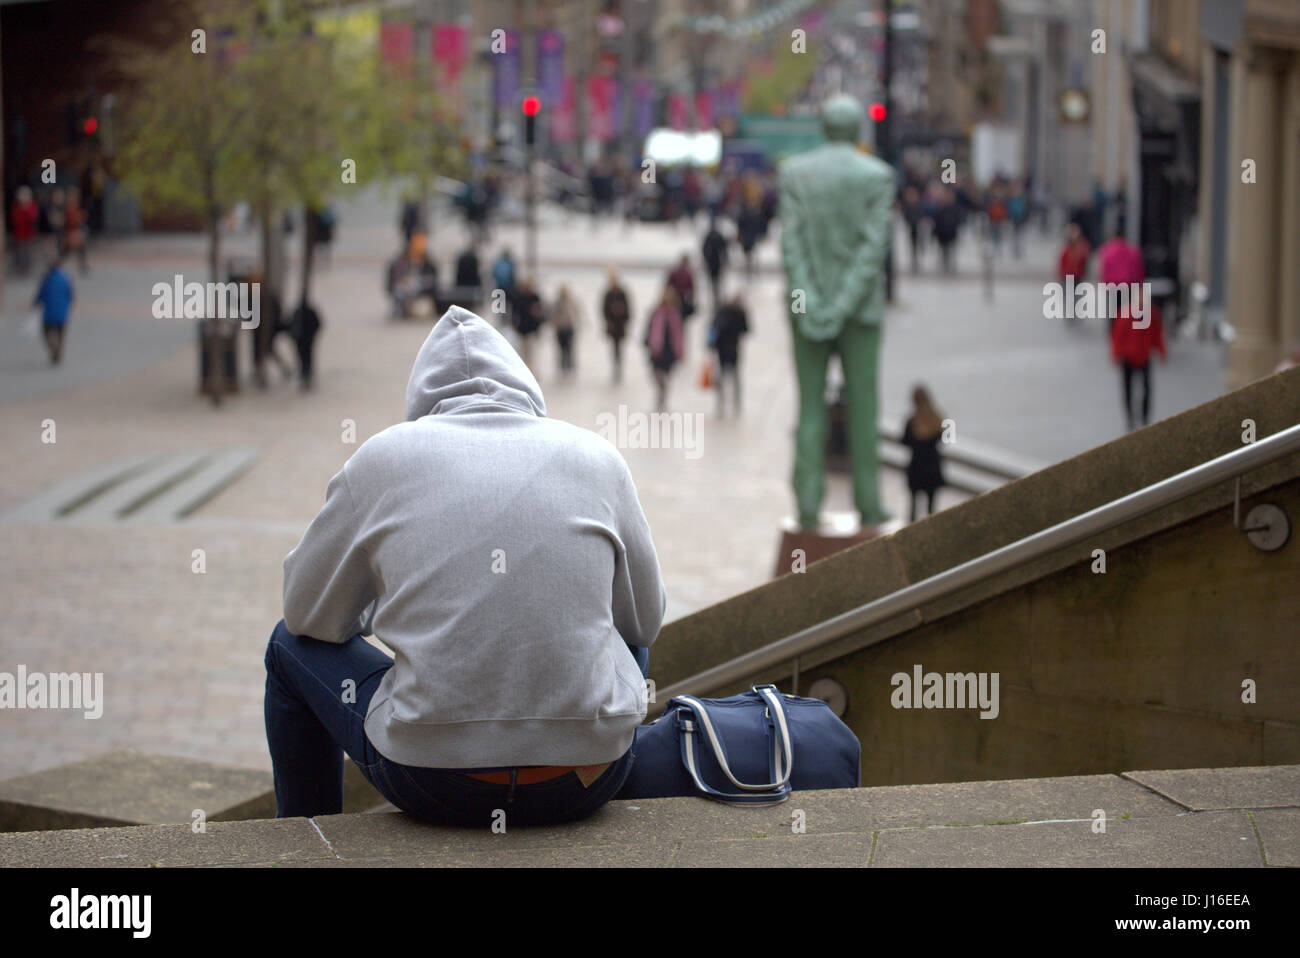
[947, 220]
[922, 434]
[469, 280]
[410, 219]
[682, 280]
[1074, 255]
[665, 341]
[913, 215]
[306, 326]
[528, 317]
[995, 208]
[475, 201]
[1073, 265]
[564, 318]
[1133, 338]
[1018, 214]
[749, 229]
[56, 216]
[616, 310]
[714, 251]
[270, 323]
[729, 324]
[321, 224]
[54, 297]
[74, 228]
[503, 275]
[413, 277]
[1119, 261]
[24, 218]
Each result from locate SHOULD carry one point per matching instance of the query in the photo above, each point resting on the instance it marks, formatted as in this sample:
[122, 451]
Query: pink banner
[678, 111]
[601, 94]
[704, 116]
[397, 43]
[563, 119]
[450, 53]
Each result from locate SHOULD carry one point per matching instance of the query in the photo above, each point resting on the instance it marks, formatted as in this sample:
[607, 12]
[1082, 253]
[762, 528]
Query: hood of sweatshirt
[465, 361]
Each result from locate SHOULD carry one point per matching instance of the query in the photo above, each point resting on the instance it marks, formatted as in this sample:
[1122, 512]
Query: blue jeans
[309, 726]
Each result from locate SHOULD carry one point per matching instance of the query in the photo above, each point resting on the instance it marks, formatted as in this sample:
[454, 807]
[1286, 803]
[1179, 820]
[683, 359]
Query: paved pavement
[1221, 818]
[181, 651]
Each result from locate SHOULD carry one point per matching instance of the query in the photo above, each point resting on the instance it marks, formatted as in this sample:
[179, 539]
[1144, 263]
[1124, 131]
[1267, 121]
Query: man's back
[509, 562]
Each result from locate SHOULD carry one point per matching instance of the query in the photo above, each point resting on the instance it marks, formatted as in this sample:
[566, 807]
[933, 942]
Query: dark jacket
[729, 325]
[925, 471]
[616, 310]
[529, 315]
[715, 251]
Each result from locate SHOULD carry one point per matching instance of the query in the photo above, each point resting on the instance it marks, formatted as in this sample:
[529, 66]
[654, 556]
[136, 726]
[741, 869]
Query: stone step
[136, 788]
[1244, 817]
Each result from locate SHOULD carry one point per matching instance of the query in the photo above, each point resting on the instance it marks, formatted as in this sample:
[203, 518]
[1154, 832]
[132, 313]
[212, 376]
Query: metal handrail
[983, 567]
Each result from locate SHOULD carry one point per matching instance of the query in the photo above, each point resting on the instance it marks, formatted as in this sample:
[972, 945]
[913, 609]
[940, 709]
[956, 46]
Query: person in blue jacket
[54, 296]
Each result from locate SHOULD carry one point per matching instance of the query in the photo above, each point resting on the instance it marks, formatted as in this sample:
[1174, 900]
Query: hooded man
[504, 558]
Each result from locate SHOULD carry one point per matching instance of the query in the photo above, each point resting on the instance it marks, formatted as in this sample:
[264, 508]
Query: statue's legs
[859, 348]
[810, 359]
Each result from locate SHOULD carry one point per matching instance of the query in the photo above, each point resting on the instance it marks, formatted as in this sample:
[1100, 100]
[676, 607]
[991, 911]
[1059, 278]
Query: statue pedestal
[837, 531]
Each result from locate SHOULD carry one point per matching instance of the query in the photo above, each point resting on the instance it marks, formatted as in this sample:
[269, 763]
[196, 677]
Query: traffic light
[876, 111]
[530, 106]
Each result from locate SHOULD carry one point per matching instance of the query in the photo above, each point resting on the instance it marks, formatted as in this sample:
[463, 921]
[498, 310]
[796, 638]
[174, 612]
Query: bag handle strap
[780, 759]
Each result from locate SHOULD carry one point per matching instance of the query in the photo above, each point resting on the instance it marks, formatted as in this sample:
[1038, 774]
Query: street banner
[602, 96]
[728, 100]
[704, 110]
[506, 71]
[643, 109]
[450, 54]
[550, 67]
[397, 43]
[679, 111]
[563, 121]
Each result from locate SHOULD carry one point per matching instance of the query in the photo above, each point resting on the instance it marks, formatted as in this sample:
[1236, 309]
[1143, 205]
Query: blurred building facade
[1249, 54]
[1191, 141]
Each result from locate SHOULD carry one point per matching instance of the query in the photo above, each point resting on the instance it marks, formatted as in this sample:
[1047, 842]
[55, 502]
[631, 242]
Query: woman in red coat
[1133, 337]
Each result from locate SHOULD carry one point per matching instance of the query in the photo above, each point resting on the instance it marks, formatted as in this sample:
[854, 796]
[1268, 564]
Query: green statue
[836, 216]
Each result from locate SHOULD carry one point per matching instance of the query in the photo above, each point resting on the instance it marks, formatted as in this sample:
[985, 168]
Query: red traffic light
[90, 126]
[531, 106]
[876, 112]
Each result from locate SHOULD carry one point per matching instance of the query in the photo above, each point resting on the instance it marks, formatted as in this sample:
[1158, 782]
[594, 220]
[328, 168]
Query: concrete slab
[789, 851]
[133, 788]
[277, 840]
[974, 803]
[647, 854]
[1203, 789]
[1210, 839]
[1279, 831]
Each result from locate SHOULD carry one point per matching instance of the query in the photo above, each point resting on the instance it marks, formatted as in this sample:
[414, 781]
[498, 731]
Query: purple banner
[505, 71]
[643, 108]
[728, 101]
[550, 67]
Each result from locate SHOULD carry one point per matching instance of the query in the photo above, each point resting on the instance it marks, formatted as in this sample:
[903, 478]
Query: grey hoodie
[501, 555]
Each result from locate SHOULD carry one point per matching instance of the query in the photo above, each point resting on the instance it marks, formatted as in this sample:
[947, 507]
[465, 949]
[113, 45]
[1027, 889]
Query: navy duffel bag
[749, 749]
